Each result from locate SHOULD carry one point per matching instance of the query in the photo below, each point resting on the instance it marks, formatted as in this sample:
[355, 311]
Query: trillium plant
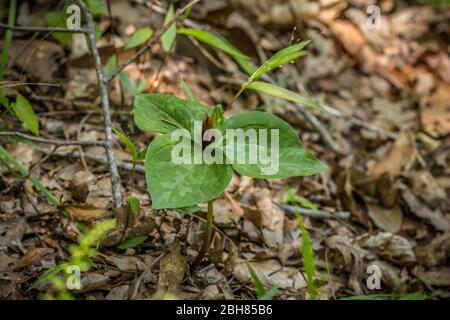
[192, 159]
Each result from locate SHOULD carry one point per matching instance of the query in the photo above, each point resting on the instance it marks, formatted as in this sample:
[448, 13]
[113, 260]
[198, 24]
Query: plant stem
[206, 239]
[6, 156]
[235, 98]
[8, 38]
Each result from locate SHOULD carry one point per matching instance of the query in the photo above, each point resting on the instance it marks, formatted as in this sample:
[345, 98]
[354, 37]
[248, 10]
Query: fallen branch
[103, 84]
[313, 213]
[56, 142]
[42, 29]
[154, 39]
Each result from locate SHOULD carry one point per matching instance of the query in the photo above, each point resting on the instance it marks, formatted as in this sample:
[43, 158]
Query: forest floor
[387, 90]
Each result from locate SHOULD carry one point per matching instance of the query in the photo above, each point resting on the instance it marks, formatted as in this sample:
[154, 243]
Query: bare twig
[55, 142]
[313, 213]
[315, 122]
[10, 84]
[42, 29]
[154, 39]
[103, 84]
[125, 165]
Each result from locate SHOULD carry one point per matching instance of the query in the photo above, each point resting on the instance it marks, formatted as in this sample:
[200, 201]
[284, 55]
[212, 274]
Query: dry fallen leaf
[435, 114]
[435, 217]
[84, 212]
[400, 155]
[33, 256]
[388, 219]
[171, 272]
[390, 246]
[271, 273]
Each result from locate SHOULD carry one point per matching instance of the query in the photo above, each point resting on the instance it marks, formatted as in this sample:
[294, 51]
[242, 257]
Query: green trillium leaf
[280, 58]
[164, 113]
[271, 160]
[177, 185]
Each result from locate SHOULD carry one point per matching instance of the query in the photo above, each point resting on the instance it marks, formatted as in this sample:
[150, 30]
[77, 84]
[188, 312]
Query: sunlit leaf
[169, 36]
[213, 40]
[26, 115]
[280, 58]
[58, 19]
[132, 242]
[283, 93]
[188, 91]
[308, 257]
[139, 37]
[131, 147]
[135, 205]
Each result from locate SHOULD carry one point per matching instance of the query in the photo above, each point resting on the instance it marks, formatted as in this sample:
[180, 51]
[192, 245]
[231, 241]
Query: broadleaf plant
[205, 163]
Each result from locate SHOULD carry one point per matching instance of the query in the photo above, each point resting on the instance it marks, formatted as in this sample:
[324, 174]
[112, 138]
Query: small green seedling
[206, 144]
[261, 292]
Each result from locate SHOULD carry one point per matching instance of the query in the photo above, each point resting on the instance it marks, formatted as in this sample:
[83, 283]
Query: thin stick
[314, 213]
[42, 29]
[56, 142]
[103, 84]
[154, 39]
[99, 159]
[206, 239]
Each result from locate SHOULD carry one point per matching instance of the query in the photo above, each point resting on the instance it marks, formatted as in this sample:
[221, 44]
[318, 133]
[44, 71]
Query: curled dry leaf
[271, 273]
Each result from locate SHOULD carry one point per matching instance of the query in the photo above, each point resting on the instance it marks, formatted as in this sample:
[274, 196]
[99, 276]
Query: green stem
[235, 98]
[6, 156]
[206, 239]
[8, 37]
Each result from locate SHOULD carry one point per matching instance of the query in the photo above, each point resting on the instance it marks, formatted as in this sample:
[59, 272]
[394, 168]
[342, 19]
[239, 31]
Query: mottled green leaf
[164, 113]
[174, 185]
[292, 158]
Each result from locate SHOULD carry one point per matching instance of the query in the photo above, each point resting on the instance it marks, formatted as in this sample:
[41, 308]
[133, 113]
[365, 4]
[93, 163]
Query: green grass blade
[169, 36]
[8, 38]
[280, 58]
[308, 258]
[283, 93]
[6, 156]
[214, 41]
